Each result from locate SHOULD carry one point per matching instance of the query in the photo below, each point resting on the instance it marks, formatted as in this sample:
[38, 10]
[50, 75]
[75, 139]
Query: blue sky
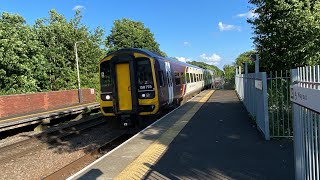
[212, 31]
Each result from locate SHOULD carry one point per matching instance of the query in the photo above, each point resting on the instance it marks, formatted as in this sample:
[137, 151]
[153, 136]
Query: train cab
[136, 82]
[128, 83]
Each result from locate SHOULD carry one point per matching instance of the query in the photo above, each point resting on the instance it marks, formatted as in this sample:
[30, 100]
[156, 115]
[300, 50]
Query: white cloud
[249, 14]
[227, 27]
[214, 59]
[182, 59]
[187, 44]
[78, 7]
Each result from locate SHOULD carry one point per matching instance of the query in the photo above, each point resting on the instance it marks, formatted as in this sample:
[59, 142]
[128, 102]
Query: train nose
[133, 84]
[125, 98]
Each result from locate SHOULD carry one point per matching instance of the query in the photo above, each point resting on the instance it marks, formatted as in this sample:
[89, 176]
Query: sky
[211, 31]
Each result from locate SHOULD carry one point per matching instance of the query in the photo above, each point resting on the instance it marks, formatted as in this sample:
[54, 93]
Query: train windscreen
[105, 76]
[145, 79]
[144, 72]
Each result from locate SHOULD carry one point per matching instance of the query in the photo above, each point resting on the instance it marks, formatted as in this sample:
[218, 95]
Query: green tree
[127, 33]
[58, 36]
[287, 32]
[229, 75]
[229, 71]
[41, 57]
[21, 60]
[245, 57]
[214, 68]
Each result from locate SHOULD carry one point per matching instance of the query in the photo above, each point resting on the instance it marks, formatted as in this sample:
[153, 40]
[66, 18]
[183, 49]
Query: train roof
[182, 63]
[154, 55]
[138, 50]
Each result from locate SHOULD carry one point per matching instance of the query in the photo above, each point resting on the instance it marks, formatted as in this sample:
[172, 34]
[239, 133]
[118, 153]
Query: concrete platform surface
[207, 138]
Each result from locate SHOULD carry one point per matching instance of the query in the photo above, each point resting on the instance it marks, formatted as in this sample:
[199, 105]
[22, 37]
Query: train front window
[144, 72]
[105, 74]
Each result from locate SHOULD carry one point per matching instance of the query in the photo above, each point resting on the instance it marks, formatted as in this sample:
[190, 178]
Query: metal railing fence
[306, 121]
[252, 91]
[294, 111]
[280, 110]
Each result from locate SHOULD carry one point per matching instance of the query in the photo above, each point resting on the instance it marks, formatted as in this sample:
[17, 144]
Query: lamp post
[77, 62]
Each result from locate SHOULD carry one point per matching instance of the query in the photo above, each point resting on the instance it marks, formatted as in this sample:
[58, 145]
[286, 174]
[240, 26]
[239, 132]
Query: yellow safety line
[142, 165]
[46, 112]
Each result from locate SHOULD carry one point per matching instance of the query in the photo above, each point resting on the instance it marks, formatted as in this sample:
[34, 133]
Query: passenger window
[161, 79]
[188, 77]
[177, 81]
[169, 80]
[183, 78]
[177, 78]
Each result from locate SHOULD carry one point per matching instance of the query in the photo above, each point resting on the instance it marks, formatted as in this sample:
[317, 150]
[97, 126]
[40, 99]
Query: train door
[124, 86]
[169, 80]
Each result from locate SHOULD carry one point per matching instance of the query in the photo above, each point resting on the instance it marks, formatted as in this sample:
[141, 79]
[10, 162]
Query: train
[139, 83]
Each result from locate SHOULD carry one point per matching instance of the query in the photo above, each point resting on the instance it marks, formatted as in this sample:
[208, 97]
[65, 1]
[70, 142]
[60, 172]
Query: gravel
[41, 163]
[16, 138]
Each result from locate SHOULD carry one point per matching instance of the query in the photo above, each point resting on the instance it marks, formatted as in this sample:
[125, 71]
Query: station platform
[210, 137]
[33, 118]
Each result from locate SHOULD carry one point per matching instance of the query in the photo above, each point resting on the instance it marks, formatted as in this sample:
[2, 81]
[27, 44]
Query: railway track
[51, 137]
[117, 138]
[57, 154]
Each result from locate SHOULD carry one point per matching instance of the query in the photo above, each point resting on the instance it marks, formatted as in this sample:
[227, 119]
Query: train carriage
[137, 82]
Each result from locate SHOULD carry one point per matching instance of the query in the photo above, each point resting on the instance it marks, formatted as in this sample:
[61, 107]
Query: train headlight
[106, 97]
[147, 95]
